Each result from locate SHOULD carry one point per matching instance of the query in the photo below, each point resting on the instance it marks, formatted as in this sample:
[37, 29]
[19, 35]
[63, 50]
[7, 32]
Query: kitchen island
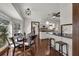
[67, 40]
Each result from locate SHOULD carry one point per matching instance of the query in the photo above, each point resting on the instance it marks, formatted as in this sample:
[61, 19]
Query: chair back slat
[13, 41]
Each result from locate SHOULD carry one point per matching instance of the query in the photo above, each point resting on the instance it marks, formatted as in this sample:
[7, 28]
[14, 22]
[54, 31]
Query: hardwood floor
[43, 50]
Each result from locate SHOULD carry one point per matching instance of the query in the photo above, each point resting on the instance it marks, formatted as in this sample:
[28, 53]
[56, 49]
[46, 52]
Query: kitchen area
[59, 27]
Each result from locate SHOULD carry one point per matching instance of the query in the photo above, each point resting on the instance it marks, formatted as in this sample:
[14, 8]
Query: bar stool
[52, 39]
[61, 44]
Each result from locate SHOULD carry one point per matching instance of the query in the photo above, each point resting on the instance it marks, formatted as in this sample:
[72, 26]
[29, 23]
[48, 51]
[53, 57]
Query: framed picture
[35, 27]
[66, 30]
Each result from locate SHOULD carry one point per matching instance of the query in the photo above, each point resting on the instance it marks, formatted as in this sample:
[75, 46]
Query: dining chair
[12, 44]
[52, 43]
[28, 44]
[24, 44]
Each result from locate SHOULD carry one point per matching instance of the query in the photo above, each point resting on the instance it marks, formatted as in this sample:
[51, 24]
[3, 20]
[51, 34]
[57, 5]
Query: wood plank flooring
[43, 50]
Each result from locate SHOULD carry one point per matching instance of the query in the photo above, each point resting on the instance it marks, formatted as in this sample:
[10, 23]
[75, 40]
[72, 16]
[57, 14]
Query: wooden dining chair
[28, 46]
[21, 44]
[52, 43]
[16, 45]
[12, 44]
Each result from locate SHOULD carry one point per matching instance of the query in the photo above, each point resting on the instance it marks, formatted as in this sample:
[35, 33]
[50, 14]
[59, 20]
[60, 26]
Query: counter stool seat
[52, 39]
[61, 44]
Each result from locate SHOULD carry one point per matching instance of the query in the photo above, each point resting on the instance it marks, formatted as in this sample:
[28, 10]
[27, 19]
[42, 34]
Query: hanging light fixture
[28, 11]
[47, 22]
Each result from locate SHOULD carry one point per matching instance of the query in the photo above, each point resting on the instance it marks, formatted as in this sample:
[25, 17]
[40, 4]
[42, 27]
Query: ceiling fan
[56, 14]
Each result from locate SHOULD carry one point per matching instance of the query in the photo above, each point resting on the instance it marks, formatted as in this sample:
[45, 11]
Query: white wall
[66, 16]
[13, 22]
[65, 13]
[27, 22]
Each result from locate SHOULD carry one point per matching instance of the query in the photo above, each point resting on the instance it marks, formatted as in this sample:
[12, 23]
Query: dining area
[24, 45]
[28, 45]
[19, 46]
[34, 34]
[23, 48]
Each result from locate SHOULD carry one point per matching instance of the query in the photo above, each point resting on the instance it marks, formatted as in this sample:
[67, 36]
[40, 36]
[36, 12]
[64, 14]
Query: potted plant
[3, 35]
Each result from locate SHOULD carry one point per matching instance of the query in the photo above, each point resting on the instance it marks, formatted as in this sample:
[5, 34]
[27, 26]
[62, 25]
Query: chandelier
[28, 11]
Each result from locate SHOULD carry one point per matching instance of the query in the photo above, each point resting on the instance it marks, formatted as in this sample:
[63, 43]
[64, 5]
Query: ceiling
[9, 10]
[39, 10]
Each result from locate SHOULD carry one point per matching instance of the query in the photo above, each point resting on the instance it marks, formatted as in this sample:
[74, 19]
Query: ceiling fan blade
[58, 14]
